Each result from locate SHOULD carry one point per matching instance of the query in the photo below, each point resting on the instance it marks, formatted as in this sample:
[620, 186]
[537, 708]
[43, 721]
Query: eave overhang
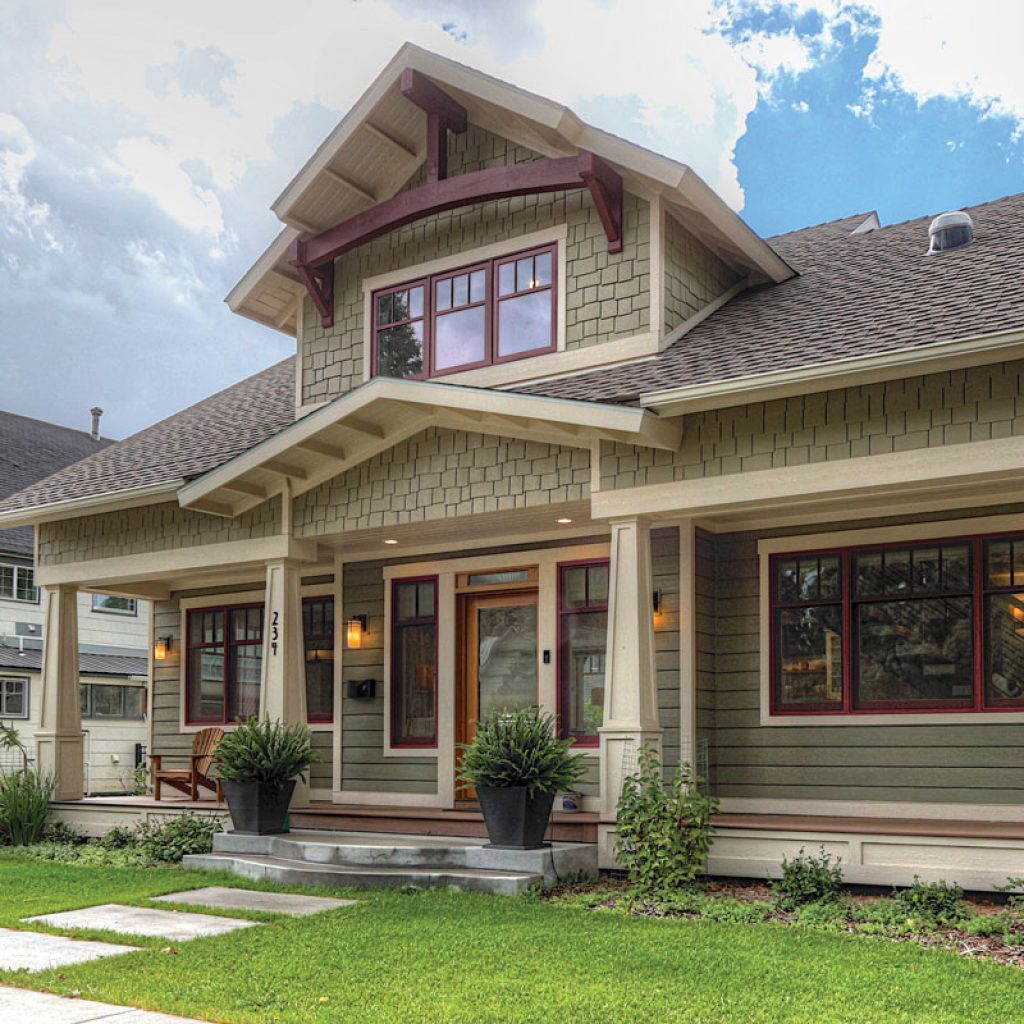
[91, 504]
[384, 412]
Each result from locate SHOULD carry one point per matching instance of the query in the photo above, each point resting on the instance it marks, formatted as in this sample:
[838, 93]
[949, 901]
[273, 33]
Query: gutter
[108, 501]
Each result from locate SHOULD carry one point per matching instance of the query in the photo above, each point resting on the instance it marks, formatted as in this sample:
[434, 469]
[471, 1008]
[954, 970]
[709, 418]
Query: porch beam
[444, 115]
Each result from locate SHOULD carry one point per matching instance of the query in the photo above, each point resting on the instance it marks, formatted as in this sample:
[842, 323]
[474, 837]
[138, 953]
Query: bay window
[414, 662]
[223, 664]
[919, 626]
[477, 315]
[583, 632]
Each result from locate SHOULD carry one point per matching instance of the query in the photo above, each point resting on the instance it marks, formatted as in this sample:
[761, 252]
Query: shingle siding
[694, 276]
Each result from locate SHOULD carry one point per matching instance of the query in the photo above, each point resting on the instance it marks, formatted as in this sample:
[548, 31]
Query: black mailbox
[361, 689]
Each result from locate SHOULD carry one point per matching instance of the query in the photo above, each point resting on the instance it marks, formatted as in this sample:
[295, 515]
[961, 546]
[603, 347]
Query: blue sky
[141, 145]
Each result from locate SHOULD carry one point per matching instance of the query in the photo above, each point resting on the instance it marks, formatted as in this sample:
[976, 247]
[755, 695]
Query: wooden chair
[188, 780]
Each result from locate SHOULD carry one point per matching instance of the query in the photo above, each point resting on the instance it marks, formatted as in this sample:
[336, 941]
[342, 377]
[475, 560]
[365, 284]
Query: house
[560, 428]
[113, 632]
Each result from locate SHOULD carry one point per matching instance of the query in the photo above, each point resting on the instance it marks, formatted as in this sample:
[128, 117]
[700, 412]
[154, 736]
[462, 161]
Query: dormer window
[490, 312]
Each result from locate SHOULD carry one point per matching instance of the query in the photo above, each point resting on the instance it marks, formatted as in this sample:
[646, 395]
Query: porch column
[60, 746]
[631, 695]
[283, 680]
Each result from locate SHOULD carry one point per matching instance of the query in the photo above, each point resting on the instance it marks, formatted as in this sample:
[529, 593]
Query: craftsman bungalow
[561, 429]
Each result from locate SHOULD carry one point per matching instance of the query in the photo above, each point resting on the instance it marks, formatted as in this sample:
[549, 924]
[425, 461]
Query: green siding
[665, 570]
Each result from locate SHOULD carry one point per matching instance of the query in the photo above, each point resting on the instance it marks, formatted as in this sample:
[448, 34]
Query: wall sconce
[656, 601]
[354, 632]
[162, 648]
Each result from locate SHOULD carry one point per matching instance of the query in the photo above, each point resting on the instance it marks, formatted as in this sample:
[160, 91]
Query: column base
[620, 749]
[62, 755]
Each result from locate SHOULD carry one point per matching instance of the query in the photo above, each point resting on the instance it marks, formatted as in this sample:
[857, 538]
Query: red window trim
[224, 610]
[425, 744]
[979, 591]
[322, 719]
[584, 742]
[490, 303]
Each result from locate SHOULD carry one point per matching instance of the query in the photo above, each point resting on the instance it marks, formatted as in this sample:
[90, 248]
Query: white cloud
[21, 215]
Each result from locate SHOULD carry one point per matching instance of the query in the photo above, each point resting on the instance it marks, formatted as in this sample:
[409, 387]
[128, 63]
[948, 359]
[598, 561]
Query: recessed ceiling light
[390, 540]
[564, 520]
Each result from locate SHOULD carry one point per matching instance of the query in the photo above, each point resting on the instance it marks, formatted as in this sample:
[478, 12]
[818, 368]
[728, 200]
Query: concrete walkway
[20, 1006]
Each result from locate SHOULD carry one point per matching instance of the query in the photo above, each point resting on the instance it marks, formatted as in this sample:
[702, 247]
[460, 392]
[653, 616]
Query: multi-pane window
[318, 631]
[17, 583]
[928, 626]
[224, 664]
[485, 313]
[13, 697]
[101, 700]
[583, 631]
[113, 604]
[414, 663]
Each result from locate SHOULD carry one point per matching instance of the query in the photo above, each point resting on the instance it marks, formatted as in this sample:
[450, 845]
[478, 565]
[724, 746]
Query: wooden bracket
[605, 185]
[444, 115]
[319, 282]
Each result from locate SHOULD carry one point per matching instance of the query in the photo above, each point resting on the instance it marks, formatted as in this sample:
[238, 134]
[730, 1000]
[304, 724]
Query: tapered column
[59, 741]
[283, 679]
[631, 695]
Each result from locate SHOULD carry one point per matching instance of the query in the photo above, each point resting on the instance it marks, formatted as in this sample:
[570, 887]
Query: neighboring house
[113, 630]
[561, 428]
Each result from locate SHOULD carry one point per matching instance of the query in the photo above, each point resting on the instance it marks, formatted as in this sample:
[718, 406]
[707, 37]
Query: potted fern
[259, 761]
[517, 764]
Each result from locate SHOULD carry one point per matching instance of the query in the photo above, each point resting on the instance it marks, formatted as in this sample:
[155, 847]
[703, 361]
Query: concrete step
[299, 872]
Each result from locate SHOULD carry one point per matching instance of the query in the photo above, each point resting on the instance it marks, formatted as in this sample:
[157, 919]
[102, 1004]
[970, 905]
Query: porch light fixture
[656, 601]
[563, 520]
[354, 632]
[390, 541]
[162, 648]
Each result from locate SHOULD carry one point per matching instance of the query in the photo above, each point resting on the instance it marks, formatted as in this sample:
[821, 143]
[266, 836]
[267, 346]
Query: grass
[446, 956]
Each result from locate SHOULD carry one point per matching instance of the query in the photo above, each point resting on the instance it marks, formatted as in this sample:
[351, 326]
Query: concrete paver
[174, 925]
[20, 1006]
[249, 899]
[34, 951]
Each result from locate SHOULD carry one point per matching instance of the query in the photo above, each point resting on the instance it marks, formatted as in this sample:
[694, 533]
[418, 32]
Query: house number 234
[275, 633]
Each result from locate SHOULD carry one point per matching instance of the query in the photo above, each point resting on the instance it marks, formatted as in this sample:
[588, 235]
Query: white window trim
[19, 569]
[24, 680]
[852, 538]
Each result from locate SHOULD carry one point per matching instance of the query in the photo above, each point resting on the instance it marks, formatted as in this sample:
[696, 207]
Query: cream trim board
[110, 501]
[853, 538]
[371, 798]
[657, 291]
[874, 809]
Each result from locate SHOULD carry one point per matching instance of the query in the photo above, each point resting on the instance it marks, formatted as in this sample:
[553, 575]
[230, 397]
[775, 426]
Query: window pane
[319, 688]
[506, 278]
[206, 685]
[443, 293]
[460, 290]
[459, 338]
[524, 323]
[482, 579]
[26, 585]
[107, 701]
[542, 268]
[402, 305]
[425, 596]
[477, 285]
[507, 658]
[13, 698]
[524, 273]
[384, 307]
[999, 564]
[1018, 564]
[1005, 648]
[244, 664]
[914, 651]
[134, 702]
[400, 351]
[786, 586]
[574, 587]
[925, 575]
[807, 579]
[584, 637]
[413, 681]
[318, 616]
[6, 581]
[597, 585]
[109, 603]
[83, 700]
[868, 573]
[416, 301]
[896, 574]
[956, 568]
[810, 656]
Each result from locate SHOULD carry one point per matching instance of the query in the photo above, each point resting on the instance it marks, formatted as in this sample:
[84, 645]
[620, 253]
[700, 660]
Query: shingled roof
[856, 295]
[183, 446]
[30, 450]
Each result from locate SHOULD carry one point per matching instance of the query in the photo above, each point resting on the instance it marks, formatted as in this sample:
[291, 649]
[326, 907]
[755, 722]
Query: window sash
[107, 604]
[230, 649]
[594, 603]
[490, 304]
[17, 583]
[319, 667]
[13, 689]
[413, 693]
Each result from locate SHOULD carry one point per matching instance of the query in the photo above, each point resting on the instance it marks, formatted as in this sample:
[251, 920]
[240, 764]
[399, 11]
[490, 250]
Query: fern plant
[520, 748]
[265, 751]
[24, 805]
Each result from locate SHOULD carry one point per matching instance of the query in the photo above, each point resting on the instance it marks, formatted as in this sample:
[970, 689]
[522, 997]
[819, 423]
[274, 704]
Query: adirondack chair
[188, 780]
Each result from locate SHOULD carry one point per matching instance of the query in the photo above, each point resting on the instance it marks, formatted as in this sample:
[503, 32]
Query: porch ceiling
[384, 412]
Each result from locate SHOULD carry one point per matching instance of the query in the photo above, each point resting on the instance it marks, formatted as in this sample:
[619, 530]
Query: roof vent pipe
[949, 231]
[96, 412]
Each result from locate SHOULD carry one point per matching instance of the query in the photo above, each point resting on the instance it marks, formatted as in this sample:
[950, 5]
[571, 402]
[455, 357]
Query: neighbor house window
[101, 700]
[929, 626]
[318, 631]
[583, 631]
[477, 315]
[17, 583]
[114, 605]
[414, 662]
[223, 664]
[13, 697]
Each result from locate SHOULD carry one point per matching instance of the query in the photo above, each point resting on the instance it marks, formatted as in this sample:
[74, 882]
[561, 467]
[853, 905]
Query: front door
[499, 657]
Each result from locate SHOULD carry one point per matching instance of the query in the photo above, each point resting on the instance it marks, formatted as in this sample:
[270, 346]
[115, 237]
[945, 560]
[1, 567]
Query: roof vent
[96, 413]
[950, 231]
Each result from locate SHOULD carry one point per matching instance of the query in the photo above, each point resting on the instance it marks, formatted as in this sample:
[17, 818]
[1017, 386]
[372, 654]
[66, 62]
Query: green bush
[808, 879]
[520, 748]
[933, 902]
[24, 805]
[173, 838]
[664, 834]
[66, 835]
[265, 751]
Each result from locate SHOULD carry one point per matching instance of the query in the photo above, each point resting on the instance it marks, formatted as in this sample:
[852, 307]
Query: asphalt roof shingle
[31, 660]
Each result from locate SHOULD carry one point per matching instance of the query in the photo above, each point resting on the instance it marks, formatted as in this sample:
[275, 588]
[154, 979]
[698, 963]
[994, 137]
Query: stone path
[175, 925]
[34, 951]
[249, 899]
[19, 1006]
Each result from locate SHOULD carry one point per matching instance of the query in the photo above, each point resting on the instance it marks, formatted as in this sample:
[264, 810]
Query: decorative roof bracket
[444, 115]
[319, 282]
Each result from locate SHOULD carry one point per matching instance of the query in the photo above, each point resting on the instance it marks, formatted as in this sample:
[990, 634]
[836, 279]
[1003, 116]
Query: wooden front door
[498, 642]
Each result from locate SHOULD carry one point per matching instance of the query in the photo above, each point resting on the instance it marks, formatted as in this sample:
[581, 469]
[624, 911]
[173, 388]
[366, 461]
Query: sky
[143, 141]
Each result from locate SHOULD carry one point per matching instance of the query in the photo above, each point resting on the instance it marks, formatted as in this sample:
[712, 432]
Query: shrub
[24, 805]
[265, 751]
[933, 902]
[808, 879]
[520, 748]
[664, 834]
[171, 839]
[65, 835]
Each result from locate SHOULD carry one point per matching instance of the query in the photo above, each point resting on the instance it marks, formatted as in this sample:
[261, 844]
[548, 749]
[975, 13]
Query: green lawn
[442, 956]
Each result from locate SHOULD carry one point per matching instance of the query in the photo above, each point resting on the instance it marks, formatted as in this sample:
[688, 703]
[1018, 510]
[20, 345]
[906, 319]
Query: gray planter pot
[257, 810]
[514, 820]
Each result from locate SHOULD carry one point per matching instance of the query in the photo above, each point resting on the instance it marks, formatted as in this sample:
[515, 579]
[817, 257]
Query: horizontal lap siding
[940, 763]
[168, 739]
[320, 773]
[665, 570]
[364, 768]
[706, 650]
